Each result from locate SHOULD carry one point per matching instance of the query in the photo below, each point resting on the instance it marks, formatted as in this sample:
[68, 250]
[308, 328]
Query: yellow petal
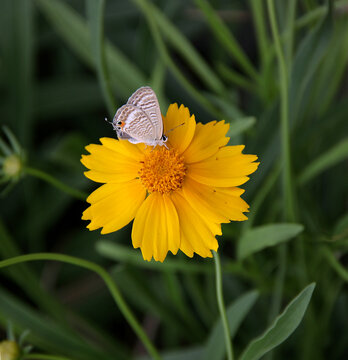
[199, 197]
[156, 227]
[123, 147]
[180, 137]
[195, 234]
[219, 205]
[108, 165]
[114, 205]
[207, 140]
[227, 168]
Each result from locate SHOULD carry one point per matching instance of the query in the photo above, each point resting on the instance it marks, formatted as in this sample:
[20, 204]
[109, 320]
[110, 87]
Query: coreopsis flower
[177, 195]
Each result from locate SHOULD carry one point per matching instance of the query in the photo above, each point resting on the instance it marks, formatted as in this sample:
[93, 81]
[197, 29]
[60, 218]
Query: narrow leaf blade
[261, 237]
[283, 326]
[331, 157]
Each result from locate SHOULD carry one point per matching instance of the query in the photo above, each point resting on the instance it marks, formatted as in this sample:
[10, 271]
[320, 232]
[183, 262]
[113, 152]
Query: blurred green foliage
[218, 58]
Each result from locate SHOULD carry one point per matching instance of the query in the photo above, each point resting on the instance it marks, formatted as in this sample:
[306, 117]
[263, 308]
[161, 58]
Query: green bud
[12, 166]
[9, 350]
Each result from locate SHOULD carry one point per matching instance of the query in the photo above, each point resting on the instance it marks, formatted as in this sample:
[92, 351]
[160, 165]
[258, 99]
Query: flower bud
[9, 350]
[12, 166]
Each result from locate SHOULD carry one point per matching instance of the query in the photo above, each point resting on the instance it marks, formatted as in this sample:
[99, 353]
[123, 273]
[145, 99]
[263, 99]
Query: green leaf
[239, 126]
[128, 255]
[341, 225]
[45, 333]
[307, 60]
[149, 13]
[23, 276]
[126, 77]
[236, 312]
[226, 38]
[261, 237]
[140, 293]
[180, 43]
[284, 325]
[95, 12]
[192, 353]
[66, 97]
[336, 154]
[332, 68]
[17, 54]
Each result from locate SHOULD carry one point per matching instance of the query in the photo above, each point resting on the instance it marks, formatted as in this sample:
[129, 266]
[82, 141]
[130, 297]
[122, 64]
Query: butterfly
[140, 120]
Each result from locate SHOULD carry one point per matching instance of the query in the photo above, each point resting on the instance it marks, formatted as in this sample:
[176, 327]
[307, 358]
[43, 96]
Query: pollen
[162, 171]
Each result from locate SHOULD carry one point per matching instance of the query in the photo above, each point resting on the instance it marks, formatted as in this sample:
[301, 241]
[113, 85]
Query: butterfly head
[164, 138]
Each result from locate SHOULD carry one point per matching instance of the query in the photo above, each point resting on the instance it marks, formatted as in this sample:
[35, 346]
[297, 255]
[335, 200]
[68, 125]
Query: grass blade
[307, 60]
[130, 256]
[336, 154]
[226, 38]
[126, 77]
[187, 51]
[146, 8]
[45, 333]
[239, 126]
[95, 11]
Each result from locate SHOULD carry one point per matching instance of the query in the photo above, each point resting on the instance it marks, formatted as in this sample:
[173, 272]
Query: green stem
[286, 158]
[96, 19]
[44, 357]
[55, 182]
[226, 38]
[335, 264]
[236, 78]
[115, 293]
[291, 30]
[284, 117]
[145, 7]
[261, 195]
[222, 308]
[257, 9]
[279, 285]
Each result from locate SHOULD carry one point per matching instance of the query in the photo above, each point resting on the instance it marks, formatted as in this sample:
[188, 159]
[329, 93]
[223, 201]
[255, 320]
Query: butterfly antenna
[174, 128]
[110, 122]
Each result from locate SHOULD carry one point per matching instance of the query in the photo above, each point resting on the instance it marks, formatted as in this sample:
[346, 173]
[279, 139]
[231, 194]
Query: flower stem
[222, 308]
[109, 282]
[95, 11]
[43, 357]
[335, 264]
[55, 182]
[284, 116]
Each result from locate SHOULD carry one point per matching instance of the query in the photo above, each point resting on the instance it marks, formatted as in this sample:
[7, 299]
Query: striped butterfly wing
[146, 99]
[133, 124]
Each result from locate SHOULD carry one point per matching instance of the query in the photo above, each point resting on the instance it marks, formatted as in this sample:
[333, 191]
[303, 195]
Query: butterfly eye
[118, 128]
[164, 138]
[119, 122]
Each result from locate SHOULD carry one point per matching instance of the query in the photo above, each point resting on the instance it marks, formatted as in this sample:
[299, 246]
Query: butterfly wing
[146, 99]
[133, 124]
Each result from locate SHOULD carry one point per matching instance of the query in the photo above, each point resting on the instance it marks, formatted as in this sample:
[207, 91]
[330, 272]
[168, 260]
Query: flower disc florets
[162, 171]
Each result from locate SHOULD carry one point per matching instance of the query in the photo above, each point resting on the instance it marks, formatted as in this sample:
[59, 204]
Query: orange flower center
[163, 171]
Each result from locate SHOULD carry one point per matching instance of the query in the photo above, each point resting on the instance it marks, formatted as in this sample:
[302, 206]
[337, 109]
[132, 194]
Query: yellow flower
[178, 197]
